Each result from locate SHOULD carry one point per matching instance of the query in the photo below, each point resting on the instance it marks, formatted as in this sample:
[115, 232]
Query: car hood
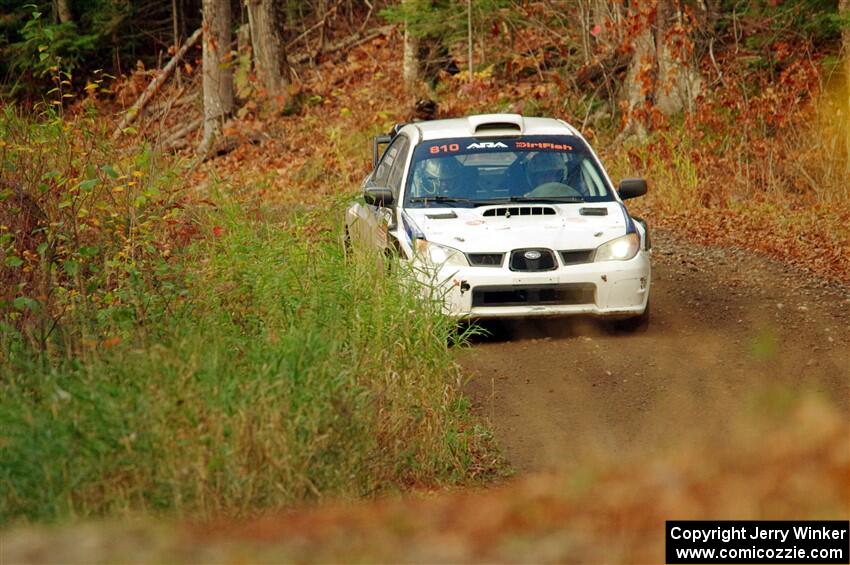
[501, 228]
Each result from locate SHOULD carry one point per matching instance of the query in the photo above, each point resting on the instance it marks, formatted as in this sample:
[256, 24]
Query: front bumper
[617, 289]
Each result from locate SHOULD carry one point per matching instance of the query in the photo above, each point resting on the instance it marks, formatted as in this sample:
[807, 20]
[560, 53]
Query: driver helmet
[544, 168]
[440, 176]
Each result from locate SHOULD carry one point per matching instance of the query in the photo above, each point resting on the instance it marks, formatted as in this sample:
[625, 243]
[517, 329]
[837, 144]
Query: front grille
[577, 257]
[546, 261]
[521, 211]
[486, 259]
[529, 295]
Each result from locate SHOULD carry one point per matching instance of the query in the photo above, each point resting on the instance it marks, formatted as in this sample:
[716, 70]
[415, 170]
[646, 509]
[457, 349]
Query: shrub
[86, 233]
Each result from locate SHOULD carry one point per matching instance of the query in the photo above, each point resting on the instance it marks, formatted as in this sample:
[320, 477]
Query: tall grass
[292, 374]
[275, 369]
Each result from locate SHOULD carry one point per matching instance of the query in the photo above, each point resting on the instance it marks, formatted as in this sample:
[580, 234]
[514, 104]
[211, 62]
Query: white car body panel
[621, 290]
[477, 233]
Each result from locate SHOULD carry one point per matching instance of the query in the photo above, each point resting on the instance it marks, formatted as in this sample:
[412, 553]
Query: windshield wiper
[441, 199]
[539, 199]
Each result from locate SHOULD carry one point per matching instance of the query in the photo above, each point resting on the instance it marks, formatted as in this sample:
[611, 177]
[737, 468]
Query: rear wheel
[390, 259]
[347, 248]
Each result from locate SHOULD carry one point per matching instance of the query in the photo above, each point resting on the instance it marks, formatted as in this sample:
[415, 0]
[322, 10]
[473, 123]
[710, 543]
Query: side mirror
[378, 196]
[631, 188]
[376, 148]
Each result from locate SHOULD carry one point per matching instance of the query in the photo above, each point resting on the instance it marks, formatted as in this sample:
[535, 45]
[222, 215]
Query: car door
[361, 220]
[374, 221]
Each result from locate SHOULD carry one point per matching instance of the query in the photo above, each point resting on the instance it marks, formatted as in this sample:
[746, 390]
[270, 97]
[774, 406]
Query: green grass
[290, 372]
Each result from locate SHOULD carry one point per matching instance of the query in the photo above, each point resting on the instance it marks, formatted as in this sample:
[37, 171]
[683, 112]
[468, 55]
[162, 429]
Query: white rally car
[507, 216]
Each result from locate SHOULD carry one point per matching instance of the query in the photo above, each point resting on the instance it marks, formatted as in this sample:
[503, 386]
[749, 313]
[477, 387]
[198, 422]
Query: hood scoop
[593, 211]
[509, 211]
[442, 216]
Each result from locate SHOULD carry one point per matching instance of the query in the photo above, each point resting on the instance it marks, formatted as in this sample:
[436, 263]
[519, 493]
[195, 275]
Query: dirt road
[732, 332]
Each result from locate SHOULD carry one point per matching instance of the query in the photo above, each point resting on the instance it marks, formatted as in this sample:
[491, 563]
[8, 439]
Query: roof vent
[496, 124]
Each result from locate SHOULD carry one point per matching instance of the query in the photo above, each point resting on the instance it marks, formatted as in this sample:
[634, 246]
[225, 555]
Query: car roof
[488, 125]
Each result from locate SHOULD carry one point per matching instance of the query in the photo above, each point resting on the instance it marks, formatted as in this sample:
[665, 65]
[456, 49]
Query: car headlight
[439, 255]
[620, 249]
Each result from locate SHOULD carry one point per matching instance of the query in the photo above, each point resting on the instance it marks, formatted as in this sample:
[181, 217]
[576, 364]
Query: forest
[184, 334]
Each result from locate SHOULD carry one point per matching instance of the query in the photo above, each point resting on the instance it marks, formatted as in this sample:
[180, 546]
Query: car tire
[637, 324]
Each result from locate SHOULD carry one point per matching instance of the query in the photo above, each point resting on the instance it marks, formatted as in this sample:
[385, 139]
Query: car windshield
[474, 171]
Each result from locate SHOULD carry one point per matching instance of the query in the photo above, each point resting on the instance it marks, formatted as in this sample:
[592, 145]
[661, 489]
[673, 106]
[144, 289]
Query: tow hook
[464, 286]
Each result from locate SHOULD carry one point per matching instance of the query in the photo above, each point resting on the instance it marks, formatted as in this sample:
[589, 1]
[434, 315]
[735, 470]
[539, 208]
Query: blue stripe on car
[411, 230]
[630, 224]
[407, 229]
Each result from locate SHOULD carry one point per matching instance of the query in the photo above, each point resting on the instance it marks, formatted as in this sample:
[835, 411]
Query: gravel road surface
[732, 333]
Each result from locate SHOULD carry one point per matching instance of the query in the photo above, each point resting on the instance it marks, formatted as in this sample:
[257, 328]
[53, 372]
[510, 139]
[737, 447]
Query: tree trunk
[322, 10]
[469, 37]
[679, 79]
[844, 10]
[600, 12]
[63, 11]
[640, 82]
[175, 32]
[269, 55]
[663, 74]
[218, 74]
[584, 29]
[410, 64]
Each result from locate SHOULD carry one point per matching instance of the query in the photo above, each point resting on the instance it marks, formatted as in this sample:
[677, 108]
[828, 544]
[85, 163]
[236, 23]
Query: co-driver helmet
[543, 168]
[440, 175]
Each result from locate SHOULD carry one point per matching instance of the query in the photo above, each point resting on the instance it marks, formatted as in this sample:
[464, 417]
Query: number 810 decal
[450, 148]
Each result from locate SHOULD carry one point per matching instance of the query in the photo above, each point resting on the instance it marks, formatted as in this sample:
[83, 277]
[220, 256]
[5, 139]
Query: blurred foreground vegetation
[792, 464]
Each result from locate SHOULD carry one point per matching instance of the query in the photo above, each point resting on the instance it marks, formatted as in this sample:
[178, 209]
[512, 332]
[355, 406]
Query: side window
[592, 179]
[397, 171]
[382, 173]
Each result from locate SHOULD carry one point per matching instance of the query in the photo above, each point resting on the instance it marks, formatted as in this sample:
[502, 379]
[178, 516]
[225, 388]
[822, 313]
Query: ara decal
[487, 145]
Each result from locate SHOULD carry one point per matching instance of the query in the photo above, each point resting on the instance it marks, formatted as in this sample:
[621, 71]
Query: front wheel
[637, 324]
